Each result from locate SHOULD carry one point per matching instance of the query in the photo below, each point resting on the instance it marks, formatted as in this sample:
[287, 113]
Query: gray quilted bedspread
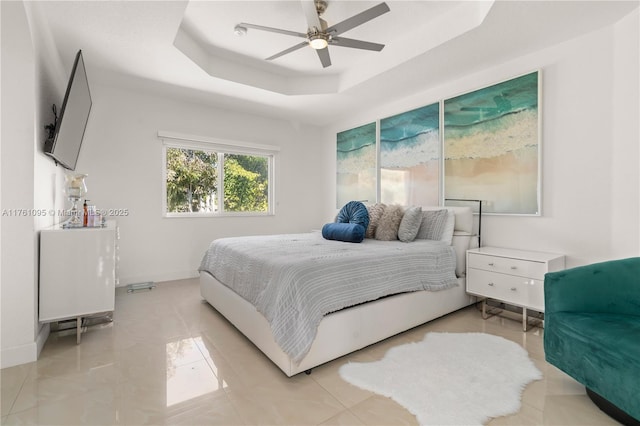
[296, 279]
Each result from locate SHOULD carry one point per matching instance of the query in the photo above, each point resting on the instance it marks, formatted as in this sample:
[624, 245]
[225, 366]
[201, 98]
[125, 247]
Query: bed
[297, 333]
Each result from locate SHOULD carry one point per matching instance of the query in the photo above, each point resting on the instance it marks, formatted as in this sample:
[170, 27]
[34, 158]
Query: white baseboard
[156, 278]
[27, 353]
[19, 355]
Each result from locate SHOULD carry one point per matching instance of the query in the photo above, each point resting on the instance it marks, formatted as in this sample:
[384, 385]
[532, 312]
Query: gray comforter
[296, 279]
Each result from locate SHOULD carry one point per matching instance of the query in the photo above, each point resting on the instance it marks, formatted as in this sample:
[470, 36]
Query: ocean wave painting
[410, 157]
[356, 165]
[491, 141]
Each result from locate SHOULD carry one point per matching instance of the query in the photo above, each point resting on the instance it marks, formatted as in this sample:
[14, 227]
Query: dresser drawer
[507, 288]
[505, 265]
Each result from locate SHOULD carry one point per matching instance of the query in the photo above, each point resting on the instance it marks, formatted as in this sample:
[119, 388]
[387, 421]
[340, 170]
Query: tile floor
[169, 358]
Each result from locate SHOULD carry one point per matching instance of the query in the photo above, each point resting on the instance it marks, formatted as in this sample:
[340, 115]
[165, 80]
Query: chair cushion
[599, 350]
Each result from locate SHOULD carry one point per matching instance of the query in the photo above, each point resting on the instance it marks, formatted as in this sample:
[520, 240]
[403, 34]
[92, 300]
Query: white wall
[625, 165]
[18, 277]
[34, 78]
[590, 183]
[52, 75]
[121, 154]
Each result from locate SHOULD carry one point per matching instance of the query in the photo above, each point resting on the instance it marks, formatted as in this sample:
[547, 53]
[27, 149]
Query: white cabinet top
[109, 224]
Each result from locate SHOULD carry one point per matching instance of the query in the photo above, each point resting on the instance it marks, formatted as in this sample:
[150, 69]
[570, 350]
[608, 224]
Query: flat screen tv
[64, 145]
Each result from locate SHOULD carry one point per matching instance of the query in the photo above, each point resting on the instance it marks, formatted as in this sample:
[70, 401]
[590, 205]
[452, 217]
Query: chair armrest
[606, 287]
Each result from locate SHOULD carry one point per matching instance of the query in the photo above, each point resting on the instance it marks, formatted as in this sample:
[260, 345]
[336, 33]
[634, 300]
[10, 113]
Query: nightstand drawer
[507, 288]
[505, 265]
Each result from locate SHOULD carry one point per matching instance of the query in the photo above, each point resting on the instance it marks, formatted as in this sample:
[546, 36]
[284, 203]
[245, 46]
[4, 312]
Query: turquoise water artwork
[410, 157]
[491, 146]
[356, 165]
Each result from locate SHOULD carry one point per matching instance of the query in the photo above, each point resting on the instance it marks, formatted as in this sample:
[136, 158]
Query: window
[208, 179]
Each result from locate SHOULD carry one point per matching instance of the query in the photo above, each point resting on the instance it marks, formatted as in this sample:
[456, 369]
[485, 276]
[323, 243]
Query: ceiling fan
[319, 35]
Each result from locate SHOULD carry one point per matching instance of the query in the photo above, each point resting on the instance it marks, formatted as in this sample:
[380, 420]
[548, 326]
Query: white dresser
[515, 277]
[77, 272]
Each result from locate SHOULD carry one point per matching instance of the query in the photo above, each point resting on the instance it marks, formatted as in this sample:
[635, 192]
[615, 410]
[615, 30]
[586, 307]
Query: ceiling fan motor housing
[321, 6]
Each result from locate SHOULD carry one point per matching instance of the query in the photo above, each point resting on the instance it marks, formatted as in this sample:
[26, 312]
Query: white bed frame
[344, 331]
[341, 332]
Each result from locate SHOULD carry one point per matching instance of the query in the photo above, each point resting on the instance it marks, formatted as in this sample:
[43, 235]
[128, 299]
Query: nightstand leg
[485, 314]
[78, 329]
[524, 319]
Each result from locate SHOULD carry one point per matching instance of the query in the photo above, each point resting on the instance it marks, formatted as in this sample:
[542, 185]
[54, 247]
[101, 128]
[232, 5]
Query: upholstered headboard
[463, 215]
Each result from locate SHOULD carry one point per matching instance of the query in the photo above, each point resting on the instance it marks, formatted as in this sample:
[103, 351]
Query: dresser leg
[524, 319]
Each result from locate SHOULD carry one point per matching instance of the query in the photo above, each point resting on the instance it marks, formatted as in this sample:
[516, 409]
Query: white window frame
[221, 146]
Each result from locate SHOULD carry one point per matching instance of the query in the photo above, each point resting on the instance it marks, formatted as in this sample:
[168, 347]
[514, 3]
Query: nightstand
[515, 277]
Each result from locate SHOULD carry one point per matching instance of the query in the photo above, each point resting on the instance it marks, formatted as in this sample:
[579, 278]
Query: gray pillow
[433, 225]
[410, 224]
[375, 213]
[387, 229]
[449, 225]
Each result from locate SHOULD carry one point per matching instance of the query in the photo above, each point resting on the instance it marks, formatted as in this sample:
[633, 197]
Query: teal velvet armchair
[592, 331]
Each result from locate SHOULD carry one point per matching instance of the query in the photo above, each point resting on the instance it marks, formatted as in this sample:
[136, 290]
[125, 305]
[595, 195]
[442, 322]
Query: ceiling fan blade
[325, 59]
[356, 44]
[289, 50]
[358, 19]
[273, 30]
[311, 14]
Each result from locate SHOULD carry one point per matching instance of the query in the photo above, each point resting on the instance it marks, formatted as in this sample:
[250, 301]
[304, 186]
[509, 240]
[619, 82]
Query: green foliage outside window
[192, 182]
[245, 183]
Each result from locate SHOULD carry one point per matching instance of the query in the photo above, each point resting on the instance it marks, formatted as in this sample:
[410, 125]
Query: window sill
[213, 215]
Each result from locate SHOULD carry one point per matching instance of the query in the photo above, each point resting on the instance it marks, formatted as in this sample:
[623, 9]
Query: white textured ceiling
[188, 49]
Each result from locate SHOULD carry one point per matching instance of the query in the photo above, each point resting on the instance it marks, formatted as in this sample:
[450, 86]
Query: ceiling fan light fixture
[318, 41]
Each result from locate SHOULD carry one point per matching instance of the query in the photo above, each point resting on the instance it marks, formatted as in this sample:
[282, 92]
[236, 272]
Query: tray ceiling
[189, 49]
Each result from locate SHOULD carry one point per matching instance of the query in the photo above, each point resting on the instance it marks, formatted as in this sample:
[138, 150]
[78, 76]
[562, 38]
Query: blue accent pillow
[347, 232]
[354, 212]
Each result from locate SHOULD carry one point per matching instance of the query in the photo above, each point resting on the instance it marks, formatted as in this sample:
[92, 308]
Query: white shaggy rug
[450, 378]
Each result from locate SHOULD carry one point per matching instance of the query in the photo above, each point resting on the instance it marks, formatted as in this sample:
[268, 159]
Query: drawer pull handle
[491, 284]
[514, 288]
[514, 267]
[491, 264]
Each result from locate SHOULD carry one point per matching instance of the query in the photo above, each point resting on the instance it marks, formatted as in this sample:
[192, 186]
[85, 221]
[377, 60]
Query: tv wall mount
[51, 127]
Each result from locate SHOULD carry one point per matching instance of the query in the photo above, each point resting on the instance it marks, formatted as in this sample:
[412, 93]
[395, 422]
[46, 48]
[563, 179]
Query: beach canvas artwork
[491, 146]
[356, 165]
[410, 157]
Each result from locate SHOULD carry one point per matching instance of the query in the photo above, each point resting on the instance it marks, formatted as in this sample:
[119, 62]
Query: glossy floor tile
[169, 358]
